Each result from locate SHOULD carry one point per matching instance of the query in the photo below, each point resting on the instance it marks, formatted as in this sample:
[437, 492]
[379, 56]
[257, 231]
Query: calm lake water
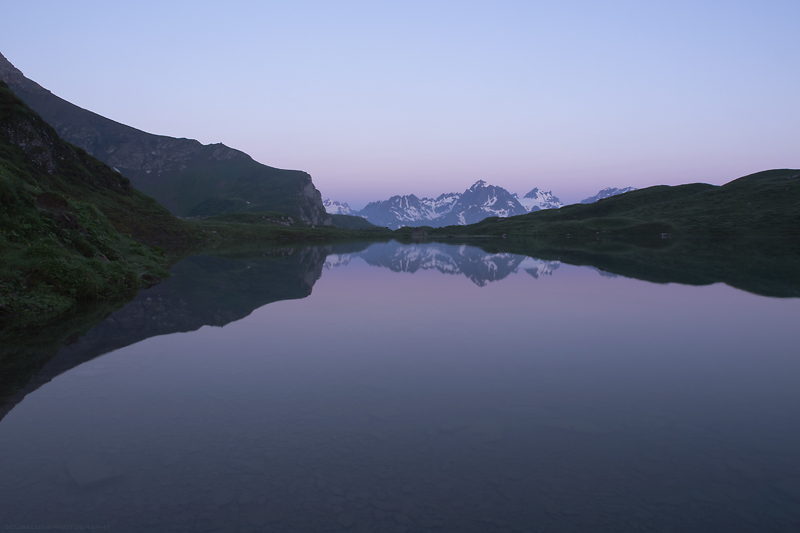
[414, 388]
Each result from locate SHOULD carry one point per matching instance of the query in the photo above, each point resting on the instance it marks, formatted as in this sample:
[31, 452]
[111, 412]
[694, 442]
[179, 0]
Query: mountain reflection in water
[479, 266]
[203, 290]
[332, 395]
[220, 288]
[215, 290]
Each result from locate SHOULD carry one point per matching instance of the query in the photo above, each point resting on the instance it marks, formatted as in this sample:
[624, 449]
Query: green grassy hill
[71, 229]
[352, 222]
[765, 203]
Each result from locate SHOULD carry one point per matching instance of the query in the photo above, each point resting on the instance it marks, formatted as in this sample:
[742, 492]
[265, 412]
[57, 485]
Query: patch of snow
[606, 193]
[337, 260]
[536, 199]
[333, 207]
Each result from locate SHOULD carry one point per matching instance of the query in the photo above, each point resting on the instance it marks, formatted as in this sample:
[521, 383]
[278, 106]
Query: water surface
[423, 387]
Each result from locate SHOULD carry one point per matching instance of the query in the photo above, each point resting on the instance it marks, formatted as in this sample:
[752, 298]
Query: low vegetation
[68, 224]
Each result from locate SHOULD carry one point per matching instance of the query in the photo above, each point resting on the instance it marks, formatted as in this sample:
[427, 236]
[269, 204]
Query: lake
[418, 387]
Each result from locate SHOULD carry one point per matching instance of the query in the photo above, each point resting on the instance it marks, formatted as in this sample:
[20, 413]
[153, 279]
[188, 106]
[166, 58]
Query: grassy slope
[66, 221]
[352, 222]
[766, 203]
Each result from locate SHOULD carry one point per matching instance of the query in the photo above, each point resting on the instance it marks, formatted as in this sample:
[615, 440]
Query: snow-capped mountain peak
[536, 200]
[478, 202]
[333, 207]
[534, 193]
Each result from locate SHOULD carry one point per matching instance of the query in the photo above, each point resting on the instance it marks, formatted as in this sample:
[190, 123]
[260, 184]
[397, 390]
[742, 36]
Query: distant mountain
[473, 205]
[188, 178]
[409, 210]
[482, 201]
[606, 193]
[337, 208]
[537, 200]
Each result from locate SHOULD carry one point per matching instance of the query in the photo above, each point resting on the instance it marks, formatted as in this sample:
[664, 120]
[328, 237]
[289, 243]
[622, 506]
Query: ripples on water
[415, 388]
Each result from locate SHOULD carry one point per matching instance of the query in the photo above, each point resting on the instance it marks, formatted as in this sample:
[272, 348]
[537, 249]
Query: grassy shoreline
[43, 278]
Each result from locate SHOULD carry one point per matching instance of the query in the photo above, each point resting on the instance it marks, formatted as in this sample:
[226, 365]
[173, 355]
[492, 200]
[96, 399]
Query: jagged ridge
[473, 205]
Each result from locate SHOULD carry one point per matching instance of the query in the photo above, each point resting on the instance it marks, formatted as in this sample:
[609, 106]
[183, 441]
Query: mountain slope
[189, 178]
[68, 223]
[352, 222]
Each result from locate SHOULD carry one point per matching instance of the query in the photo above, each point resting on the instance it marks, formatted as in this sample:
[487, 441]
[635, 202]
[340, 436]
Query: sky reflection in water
[400, 401]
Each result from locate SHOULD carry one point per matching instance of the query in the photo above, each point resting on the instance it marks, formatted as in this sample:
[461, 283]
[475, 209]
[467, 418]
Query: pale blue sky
[381, 98]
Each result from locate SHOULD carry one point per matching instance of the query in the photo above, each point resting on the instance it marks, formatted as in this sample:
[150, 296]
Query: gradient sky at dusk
[380, 98]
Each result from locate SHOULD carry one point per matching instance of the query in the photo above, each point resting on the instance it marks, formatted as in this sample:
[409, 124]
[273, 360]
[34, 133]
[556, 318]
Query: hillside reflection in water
[509, 394]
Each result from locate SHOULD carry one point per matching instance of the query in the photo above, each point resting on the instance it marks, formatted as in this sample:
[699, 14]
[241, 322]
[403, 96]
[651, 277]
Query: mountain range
[458, 209]
[473, 205]
[188, 178]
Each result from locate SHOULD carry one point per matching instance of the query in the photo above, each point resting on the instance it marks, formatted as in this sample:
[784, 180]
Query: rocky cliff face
[187, 177]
